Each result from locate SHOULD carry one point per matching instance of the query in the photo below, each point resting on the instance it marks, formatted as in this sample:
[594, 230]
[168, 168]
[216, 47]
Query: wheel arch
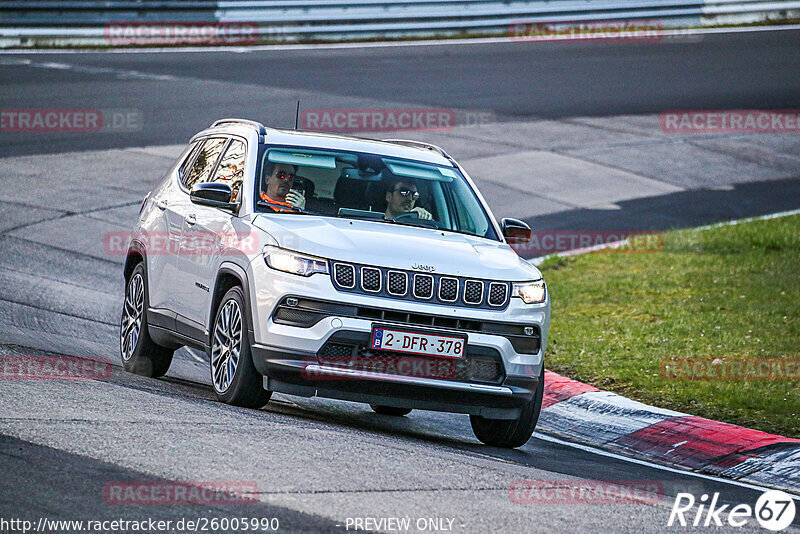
[228, 276]
[136, 254]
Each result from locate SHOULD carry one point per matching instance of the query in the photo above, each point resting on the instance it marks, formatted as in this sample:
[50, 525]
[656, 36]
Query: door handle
[161, 204]
[191, 219]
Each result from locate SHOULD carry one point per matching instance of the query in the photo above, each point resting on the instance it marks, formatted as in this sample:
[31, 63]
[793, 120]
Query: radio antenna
[297, 115]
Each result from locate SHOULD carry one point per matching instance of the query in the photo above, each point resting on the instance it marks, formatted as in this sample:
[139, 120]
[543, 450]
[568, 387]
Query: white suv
[312, 264]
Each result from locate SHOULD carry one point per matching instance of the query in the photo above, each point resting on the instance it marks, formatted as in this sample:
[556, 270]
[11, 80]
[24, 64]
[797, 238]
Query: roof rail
[260, 128]
[419, 144]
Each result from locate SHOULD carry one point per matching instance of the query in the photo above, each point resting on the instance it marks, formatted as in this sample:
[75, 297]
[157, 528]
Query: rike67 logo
[774, 510]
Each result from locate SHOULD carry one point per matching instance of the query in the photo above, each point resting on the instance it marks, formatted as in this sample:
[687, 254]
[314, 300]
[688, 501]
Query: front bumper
[289, 356]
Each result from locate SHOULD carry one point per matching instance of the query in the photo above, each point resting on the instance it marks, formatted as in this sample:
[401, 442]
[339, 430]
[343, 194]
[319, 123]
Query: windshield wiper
[361, 214]
[381, 217]
[421, 223]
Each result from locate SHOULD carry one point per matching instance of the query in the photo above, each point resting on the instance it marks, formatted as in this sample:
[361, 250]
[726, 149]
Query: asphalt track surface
[178, 92]
[316, 462]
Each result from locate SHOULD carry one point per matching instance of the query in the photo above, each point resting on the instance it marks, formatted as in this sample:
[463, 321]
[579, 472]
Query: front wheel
[140, 354]
[233, 374]
[510, 433]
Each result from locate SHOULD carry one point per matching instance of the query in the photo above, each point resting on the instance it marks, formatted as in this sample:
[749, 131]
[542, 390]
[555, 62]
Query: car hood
[396, 246]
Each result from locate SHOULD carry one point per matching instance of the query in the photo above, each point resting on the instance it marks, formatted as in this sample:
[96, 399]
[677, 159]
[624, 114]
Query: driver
[400, 198]
[277, 186]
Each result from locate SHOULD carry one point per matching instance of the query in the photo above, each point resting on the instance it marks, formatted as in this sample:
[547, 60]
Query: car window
[204, 162]
[371, 186]
[231, 167]
[187, 163]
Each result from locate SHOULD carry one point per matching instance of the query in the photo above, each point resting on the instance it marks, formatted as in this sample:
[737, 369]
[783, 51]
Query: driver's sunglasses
[283, 175]
[405, 192]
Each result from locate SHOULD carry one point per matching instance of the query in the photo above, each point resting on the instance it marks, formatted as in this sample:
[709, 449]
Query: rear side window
[187, 163]
[204, 163]
[231, 167]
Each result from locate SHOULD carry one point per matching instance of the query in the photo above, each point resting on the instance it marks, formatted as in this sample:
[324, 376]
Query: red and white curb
[580, 412]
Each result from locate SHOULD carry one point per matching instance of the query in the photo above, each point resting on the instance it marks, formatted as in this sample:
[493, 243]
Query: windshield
[294, 181]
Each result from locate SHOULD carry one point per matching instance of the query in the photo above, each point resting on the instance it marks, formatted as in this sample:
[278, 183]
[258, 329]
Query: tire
[233, 375]
[510, 433]
[140, 354]
[390, 410]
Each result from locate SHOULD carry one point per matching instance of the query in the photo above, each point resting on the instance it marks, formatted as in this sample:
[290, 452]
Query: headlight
[294, 262]
[531, 292]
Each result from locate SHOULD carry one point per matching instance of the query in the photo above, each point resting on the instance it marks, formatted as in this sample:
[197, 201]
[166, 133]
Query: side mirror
[515, 231]
[213, 194]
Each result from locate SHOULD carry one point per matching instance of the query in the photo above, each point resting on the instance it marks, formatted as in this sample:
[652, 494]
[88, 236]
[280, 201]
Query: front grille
[448, 289]
[415, 286]
[480, 368]
[473, 292]
[398, 283]
[423, 286]
[497, 294]
[304, 312]
[285, 315]
[370, 279]
[333, 352]
[345, 275]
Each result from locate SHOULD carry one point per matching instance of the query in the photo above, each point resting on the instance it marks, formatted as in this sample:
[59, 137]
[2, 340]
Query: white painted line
[538, 260]
[382, 44]
[750, 219]
[600, 452]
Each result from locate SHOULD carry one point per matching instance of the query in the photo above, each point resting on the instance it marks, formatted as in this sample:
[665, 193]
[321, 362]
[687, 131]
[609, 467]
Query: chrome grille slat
[345, 275]
[473, 292]
[396, 280]
[423, 286]
[448, 286]
[371, 279]
[498, 294]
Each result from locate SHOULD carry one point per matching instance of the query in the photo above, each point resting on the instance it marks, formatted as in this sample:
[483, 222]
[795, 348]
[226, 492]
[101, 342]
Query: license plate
[418, 343]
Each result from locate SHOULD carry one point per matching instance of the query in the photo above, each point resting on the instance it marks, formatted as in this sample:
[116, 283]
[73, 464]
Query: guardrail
[87, 22]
